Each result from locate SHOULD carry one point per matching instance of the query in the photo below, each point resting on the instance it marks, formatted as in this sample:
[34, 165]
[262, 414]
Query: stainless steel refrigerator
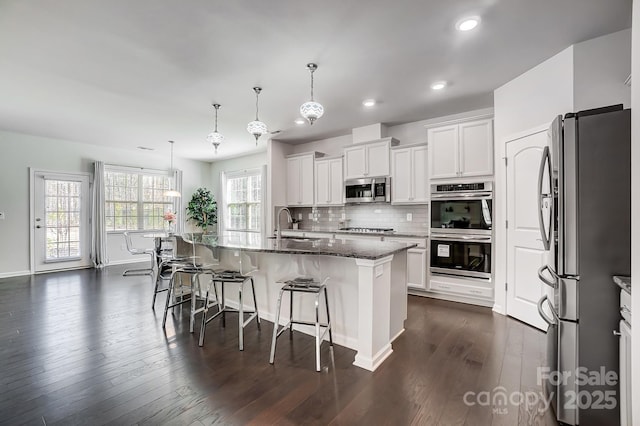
[585, 221]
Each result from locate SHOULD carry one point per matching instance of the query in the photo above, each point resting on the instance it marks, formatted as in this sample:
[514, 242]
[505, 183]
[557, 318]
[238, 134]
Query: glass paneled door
[61, 234]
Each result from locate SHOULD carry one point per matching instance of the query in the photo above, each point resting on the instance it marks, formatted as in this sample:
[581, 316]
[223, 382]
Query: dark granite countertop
[358, 249]
[408, 234]
[623, 282]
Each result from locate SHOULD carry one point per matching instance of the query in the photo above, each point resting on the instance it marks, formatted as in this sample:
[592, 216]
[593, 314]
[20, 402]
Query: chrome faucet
[289, 219]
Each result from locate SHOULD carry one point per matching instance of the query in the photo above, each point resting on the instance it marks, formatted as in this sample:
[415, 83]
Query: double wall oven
[461, 221]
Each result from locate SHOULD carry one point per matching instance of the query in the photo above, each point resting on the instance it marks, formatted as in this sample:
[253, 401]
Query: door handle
[546, 240]
[617, 333]
[552, 284]
[544, 316]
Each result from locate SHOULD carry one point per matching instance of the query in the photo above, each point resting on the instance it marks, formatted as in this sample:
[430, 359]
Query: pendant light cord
[257, 94]
[312, 84]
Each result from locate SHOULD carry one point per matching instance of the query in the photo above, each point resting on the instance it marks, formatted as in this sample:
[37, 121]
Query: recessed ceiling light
[299, 121]
[369, 102]
[439, 85]
[467, 24]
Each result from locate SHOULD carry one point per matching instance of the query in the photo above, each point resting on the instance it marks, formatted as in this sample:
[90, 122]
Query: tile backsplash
[364, 215]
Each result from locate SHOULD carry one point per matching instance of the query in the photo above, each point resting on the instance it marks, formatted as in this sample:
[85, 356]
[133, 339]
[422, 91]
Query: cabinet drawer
[421, 242]
[461, 288]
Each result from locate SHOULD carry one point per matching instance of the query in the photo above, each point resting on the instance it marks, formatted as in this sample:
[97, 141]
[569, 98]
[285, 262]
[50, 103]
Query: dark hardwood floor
[84, 347]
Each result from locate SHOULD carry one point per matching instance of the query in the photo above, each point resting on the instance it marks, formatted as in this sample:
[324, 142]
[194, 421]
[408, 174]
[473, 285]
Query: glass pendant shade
[256, 127]
[172, 193]
[215, 137]
[311, 110]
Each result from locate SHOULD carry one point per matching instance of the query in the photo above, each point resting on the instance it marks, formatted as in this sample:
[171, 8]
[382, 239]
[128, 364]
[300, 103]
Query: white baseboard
[126, 262]
[14, 274]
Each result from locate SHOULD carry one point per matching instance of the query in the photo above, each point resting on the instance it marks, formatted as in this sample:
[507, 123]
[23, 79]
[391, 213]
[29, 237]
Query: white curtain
[98, 229]
[177, 202]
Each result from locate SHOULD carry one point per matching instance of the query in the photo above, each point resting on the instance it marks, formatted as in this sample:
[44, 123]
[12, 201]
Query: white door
[525, 251]
[61, 234]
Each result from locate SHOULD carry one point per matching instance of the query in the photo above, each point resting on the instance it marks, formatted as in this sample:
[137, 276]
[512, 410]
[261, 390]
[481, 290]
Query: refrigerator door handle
[550, 321]
[545, 161]
[553, 284]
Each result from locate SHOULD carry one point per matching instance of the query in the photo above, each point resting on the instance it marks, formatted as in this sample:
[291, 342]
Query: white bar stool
[303, 285]
[136, 251]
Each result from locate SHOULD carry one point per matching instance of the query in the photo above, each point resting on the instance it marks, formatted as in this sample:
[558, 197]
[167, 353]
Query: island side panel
[342, 288]
[399, 294]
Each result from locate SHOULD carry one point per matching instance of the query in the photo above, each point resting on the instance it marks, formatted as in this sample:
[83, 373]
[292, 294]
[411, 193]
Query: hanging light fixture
[172, 193]
[312, 110]
[257, 128]
[215, 137]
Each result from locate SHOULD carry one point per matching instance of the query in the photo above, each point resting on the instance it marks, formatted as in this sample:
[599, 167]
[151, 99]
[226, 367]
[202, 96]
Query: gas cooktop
[367, 230]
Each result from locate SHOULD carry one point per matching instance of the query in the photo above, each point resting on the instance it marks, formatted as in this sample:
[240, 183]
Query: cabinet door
[401, 175]
[336, 182]
[322, 183]
[417, 268]
[420, 177]
[355, 162]
[476, 148]
[378, 159]
[293, 181]
[306, 180]
[443, 152]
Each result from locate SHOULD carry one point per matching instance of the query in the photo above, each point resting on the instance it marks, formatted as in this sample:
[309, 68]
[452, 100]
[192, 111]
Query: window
[243, 201]
[134, 199]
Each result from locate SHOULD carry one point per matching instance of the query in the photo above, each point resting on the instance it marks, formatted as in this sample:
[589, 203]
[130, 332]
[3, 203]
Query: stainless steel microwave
[368, 190]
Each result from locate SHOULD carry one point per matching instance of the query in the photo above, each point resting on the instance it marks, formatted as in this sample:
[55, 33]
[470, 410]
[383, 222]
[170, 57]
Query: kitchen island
[367, 285]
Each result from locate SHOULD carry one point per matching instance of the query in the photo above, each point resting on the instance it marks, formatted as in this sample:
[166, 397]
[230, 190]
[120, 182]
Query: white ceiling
[138, 73]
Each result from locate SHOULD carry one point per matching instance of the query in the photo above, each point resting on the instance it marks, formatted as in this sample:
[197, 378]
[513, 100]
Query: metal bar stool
[195, 267]
[136, 251]
[171, 253]
[224, 277]
[303, 285]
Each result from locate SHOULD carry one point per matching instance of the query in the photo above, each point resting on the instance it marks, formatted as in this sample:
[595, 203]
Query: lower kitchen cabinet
[460, 286]
[416, 261]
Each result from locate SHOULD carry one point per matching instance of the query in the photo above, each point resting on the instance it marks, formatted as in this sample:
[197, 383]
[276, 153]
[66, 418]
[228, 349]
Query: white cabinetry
[409, 179]
[300, 179]
[329, 184]
[416, 261]
[369, 159]
[461, 150]
[460, 286]
[625, 359]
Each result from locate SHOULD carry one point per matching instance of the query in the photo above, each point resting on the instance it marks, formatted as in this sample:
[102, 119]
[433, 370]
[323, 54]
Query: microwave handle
[462, 195]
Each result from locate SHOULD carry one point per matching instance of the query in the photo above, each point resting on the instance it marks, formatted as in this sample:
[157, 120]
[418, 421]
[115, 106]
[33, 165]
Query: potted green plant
[202, 209]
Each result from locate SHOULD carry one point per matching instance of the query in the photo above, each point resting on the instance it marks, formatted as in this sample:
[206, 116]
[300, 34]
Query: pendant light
[215, 137]
[172, 193]
[257, 128]
[311, 110]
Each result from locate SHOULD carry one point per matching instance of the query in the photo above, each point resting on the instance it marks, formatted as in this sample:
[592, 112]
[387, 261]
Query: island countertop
[357, 249]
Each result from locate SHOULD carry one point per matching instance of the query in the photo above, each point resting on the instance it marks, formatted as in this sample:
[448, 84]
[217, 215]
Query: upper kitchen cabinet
[461, 150]
[368, 159]
[409, 179]
[300, 186]
[329, 184]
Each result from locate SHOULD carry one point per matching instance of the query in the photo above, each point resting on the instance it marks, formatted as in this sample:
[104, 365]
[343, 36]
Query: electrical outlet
[378, 211]
[299, 216]
[1, 215]
[344, 216]
[409, 217]
[310, 216]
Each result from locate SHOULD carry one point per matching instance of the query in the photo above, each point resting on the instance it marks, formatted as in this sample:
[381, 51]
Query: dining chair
[138, 251]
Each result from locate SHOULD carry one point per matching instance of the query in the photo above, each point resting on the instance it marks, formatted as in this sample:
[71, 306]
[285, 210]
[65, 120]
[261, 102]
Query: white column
[374, 312]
